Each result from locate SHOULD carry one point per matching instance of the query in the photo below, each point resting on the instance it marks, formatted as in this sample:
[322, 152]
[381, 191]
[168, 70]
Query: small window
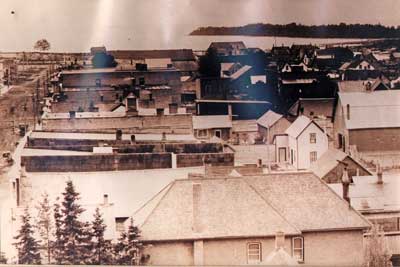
[313, 138]
[254, 252]
[120, 224]
[141, 81]
[298, 248]
[202, 133]
[313, 156]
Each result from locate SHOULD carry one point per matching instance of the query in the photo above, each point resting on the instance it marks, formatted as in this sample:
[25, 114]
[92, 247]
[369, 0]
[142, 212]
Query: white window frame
[312, 159]
[251, 253]
[313, 140]
[298, 249]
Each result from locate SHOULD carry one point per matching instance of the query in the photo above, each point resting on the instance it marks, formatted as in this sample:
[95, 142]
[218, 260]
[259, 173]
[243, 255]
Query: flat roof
[232, 101]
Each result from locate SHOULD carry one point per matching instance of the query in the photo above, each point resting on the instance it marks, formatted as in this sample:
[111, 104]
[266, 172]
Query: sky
[76, 25]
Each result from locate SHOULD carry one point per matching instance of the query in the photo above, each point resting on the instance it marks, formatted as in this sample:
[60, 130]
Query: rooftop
[269, 119]
[211, 122]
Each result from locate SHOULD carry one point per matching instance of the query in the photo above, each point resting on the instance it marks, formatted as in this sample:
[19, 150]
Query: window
[298, 248]
[202, 133]
[313, 138]
[120, 223]
[217, 133]
[254, 252]
[313, 156]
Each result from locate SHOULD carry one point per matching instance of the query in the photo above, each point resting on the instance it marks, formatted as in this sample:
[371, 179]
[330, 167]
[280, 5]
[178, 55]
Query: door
[282, 154]
[218, 133]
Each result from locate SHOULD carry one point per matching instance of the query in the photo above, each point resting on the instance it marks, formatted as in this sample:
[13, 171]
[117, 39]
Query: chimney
[118, 135]
[346, 185]
[279, 240]
[197, 225]
[379, 175]
[259, 163]
[105, 199]
[348, 111]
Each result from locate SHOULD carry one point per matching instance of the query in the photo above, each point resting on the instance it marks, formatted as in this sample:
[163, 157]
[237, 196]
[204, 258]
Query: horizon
[73, 25]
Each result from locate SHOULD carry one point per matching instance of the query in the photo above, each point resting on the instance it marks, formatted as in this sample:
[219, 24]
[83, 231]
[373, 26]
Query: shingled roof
[254, 206]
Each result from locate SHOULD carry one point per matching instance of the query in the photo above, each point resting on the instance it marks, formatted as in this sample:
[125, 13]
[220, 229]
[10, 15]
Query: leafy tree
[209, 64]
[44, 224]
[103, 60]
[27, 245]
[101, 253]
[75, 235]
[42, 45]
[128, 250]
[376, 249]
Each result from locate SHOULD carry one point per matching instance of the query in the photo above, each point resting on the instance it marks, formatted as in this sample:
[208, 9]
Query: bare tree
[377, 253]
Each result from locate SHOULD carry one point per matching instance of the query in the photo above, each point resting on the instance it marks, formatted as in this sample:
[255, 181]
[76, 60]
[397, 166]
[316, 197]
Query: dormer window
[254, 252]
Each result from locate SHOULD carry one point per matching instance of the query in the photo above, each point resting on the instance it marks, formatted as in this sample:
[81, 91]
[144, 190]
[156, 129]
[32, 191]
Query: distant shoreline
[293, 30]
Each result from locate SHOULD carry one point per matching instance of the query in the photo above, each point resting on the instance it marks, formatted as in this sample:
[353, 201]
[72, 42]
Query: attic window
[120, 223]
[313, 138]
[254, 252]
[298, 248]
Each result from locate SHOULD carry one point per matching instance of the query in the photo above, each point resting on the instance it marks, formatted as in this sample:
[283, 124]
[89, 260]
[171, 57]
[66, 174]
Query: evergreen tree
[128, 250]
[101, 253]
[44, 224]
[75, 235]
[58, 244]
[27, 245]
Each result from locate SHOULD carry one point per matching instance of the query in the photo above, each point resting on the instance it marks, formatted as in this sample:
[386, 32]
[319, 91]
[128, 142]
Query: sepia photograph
[200, 133]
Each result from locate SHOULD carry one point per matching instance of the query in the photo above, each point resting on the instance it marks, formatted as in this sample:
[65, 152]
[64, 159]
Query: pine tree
[128, 249]
[75, 235]
[58, 244]
[44, 224]
[27, 245]
[101, 247]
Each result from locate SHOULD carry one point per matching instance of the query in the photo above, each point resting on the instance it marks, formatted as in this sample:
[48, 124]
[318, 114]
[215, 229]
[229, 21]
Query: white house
[302, 144]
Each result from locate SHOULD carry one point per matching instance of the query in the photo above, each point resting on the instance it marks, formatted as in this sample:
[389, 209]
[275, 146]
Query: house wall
[305, 147]
[278, 128]
[198, 159]
[335, 175]
[385, 139]
[225, 133]
[292, 145]
[282, 141]
[170, 253]
[339, 127]
[179, 123]
[336, 248]
[102, 162]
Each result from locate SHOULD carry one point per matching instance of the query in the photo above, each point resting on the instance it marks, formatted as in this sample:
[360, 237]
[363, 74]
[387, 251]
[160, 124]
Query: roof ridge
[167, 188]
[341, 199]
[267, 202]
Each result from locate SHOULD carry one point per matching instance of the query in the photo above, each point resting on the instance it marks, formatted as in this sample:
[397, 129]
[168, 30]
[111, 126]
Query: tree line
[341, 30]
[65, 239]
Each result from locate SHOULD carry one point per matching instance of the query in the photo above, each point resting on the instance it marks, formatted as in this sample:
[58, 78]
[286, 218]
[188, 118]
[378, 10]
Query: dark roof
[227, 45]
[173, 54]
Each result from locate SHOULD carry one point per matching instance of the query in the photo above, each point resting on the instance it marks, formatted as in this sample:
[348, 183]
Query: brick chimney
[197, 195]
[279, 240]
[379, 175]
[346, 185]
[105, 199]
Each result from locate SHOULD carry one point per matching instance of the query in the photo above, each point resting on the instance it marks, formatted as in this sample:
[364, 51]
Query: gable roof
[378, 109]
[299, 125]
[211, 122]
[222, 208]
[269, 119]
[329, 160]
